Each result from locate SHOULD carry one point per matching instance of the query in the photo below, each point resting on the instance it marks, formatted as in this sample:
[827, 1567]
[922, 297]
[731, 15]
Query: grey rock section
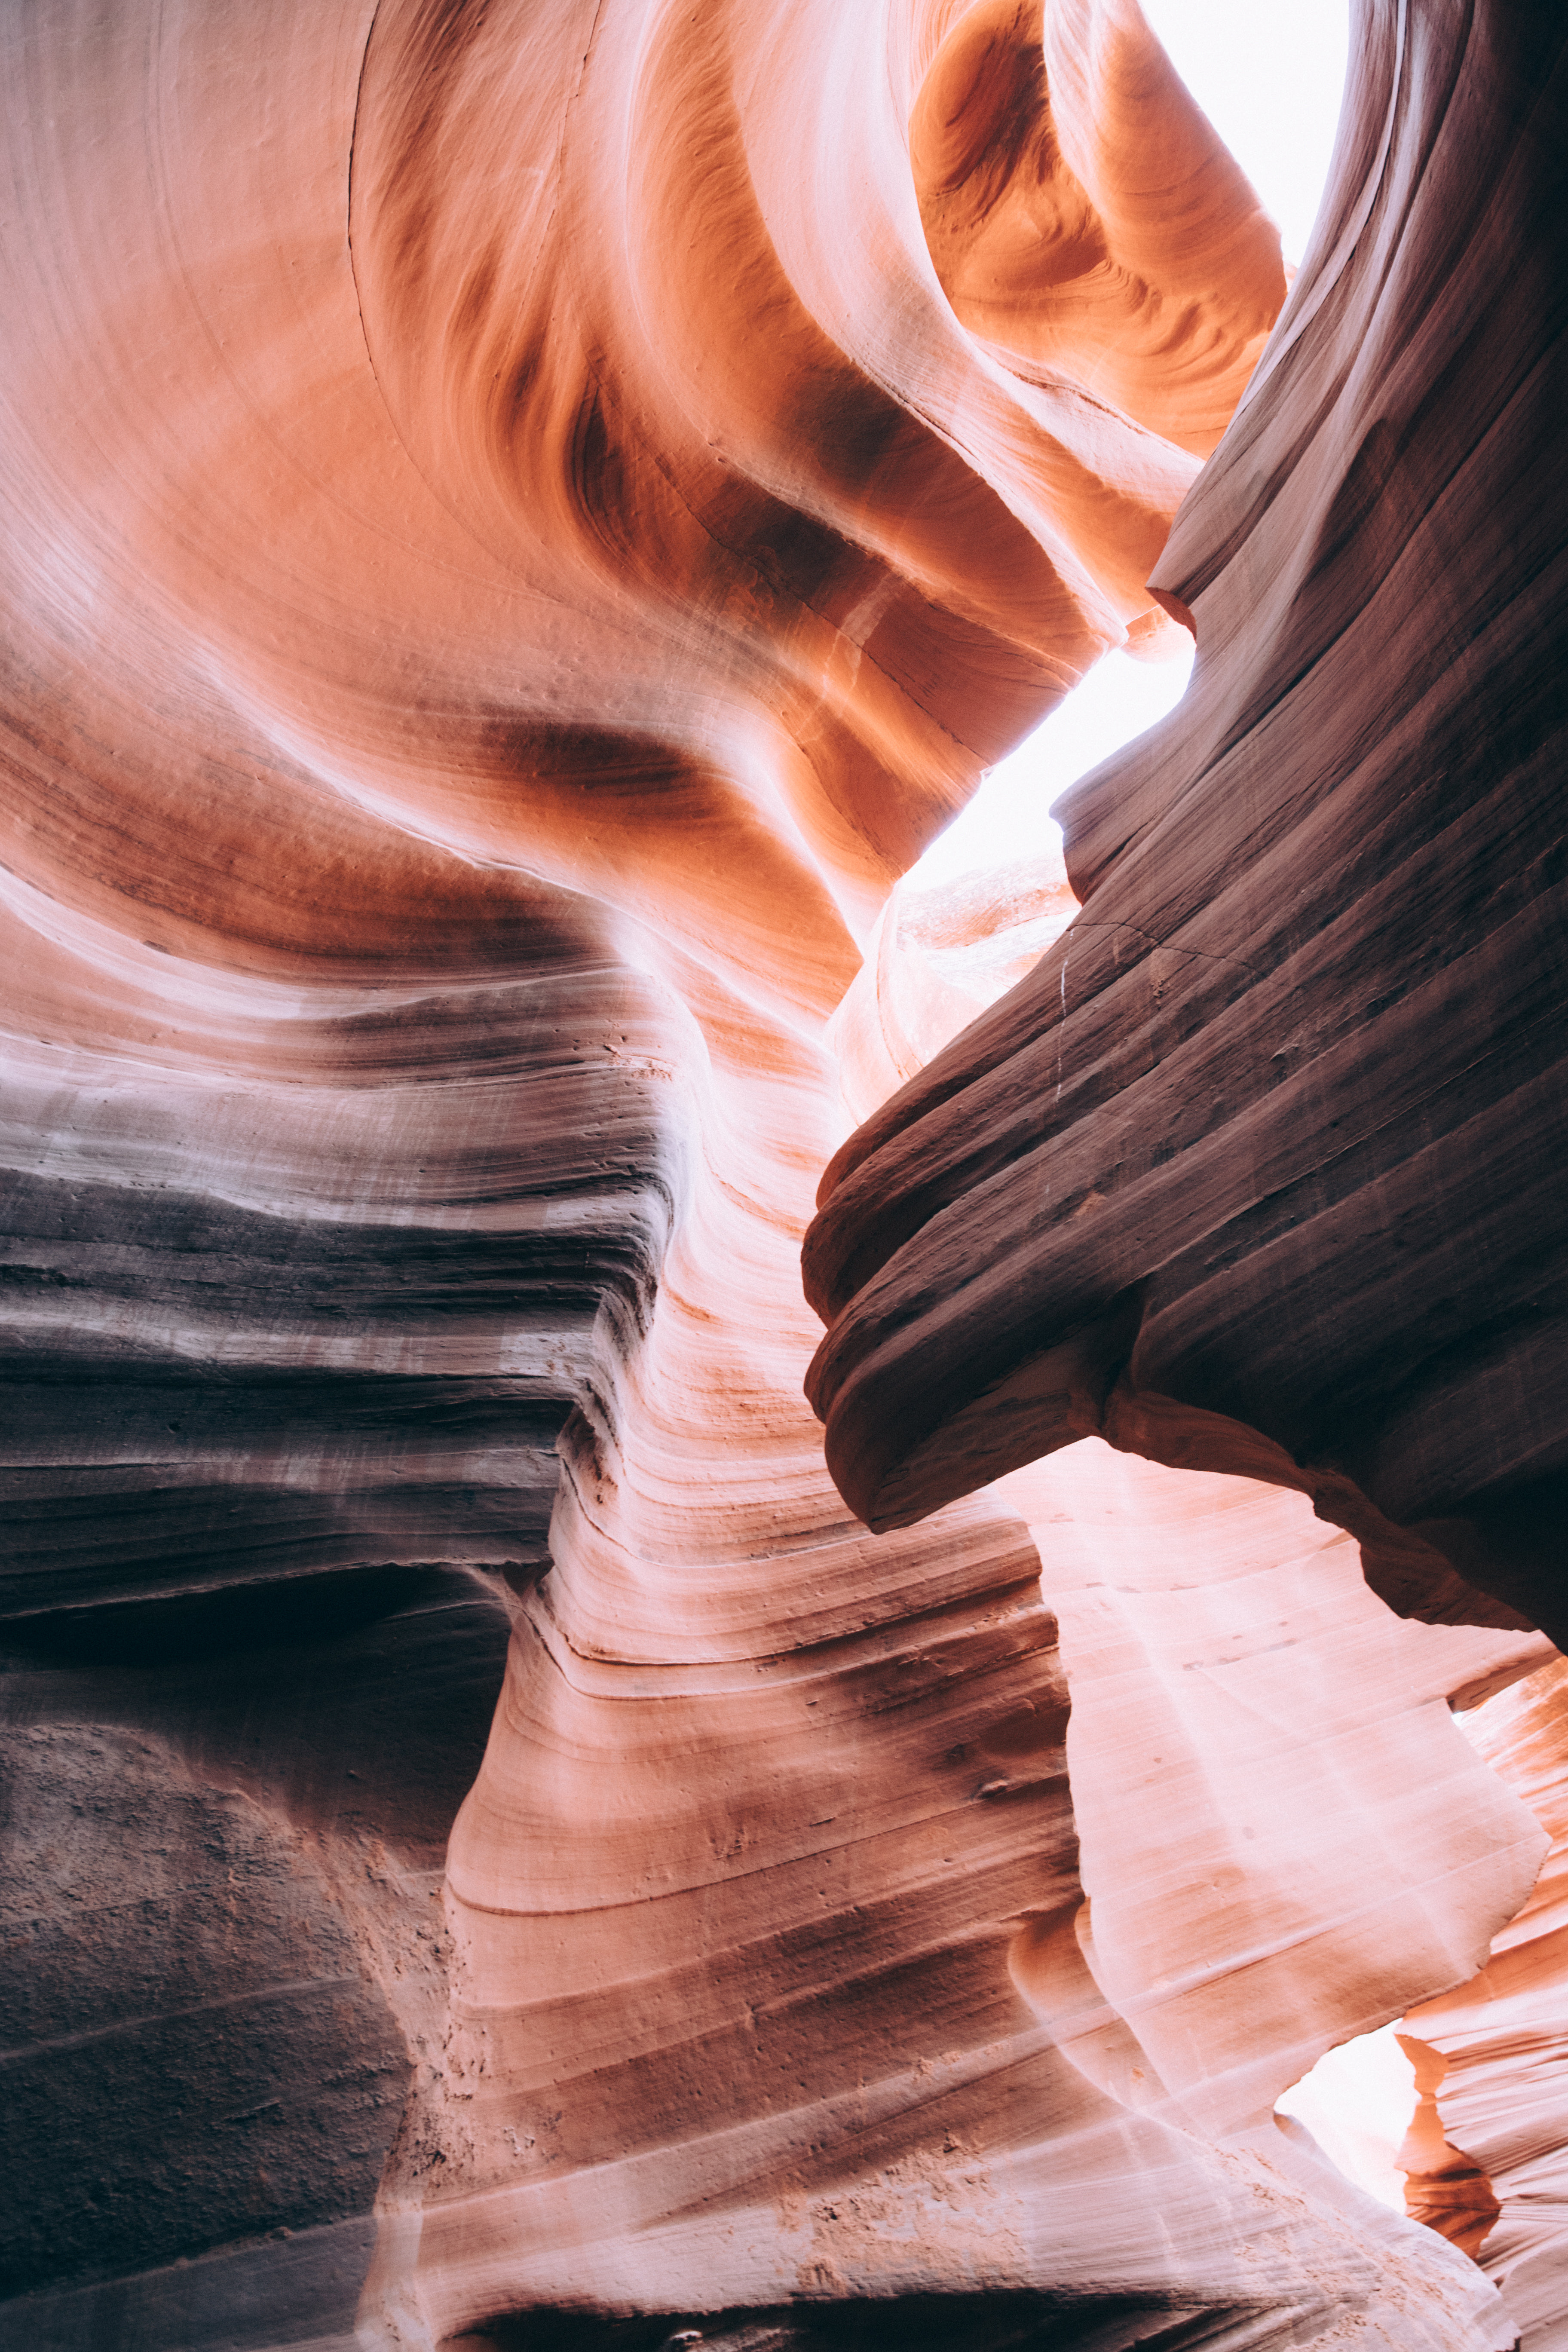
[285, 1343]
[995, 2322]
[284, 2294]
[188, 2039]
[212, 1866]
[252, 1330]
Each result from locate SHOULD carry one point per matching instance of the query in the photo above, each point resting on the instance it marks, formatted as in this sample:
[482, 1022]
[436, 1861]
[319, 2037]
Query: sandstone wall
[521, 523]
[1258, 1170]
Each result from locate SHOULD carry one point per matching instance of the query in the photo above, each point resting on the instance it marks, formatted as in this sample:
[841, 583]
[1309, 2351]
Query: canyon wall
[521, 524]
[1258, 1170]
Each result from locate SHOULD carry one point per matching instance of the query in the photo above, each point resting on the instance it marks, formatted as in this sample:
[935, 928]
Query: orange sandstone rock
[521, 522]
[1445, 2188]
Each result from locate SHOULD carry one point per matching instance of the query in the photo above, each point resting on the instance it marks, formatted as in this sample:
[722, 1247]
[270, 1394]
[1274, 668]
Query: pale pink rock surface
[1503, 2097]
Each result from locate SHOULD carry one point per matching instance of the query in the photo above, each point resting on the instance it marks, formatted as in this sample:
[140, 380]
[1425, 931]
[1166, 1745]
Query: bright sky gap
[1269, 78]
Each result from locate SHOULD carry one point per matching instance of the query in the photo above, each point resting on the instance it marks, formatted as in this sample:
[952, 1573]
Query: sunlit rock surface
[521, 522]
[475, 615]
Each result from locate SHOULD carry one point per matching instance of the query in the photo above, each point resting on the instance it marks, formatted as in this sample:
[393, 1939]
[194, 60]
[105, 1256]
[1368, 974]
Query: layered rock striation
[521, 524]
[1258, 1170]
[462, 605]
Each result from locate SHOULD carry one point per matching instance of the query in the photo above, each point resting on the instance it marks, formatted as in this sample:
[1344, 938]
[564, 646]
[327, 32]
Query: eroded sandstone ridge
[521, 521]
[1260, 1168]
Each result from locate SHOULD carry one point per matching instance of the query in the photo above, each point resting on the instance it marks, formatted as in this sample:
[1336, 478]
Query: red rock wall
[521, 523]
[1259, 1170]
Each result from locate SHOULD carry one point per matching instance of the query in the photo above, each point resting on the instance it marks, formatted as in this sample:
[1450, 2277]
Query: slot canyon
[744, 1594]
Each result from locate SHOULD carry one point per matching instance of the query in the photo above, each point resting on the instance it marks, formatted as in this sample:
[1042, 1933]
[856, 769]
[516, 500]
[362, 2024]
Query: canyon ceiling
[739, 1598]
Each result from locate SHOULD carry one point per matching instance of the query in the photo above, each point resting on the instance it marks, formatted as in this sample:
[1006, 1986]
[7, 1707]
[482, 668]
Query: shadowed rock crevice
[970, 2323]
[187, 2028]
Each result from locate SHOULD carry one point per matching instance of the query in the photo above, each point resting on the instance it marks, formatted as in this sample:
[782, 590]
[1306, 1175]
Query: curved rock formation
[521, 523]
[1259, 1170]
[1082, 218]
[427, 598]
[1500, 2086]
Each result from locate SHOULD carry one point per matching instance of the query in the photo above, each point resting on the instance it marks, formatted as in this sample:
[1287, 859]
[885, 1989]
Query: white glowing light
[1007, 819]
[1357, 2103]
[1269, 78]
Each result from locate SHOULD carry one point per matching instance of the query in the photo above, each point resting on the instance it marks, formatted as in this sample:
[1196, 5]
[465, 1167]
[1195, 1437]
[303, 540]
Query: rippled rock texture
[1259, 1169]
[521, 522]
